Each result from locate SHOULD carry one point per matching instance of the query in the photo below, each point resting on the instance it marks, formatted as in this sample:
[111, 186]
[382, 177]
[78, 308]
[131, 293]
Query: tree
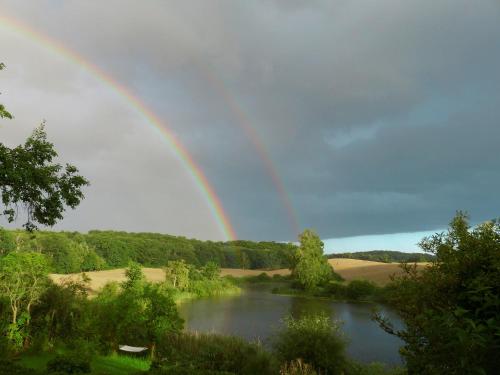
[135, 276]
[451, 308]
[31, 179]
[309, 267]
[177, 274]
[23, 278]
[211, 271]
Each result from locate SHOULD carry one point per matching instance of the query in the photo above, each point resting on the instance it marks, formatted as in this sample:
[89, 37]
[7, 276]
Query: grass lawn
[101, 365]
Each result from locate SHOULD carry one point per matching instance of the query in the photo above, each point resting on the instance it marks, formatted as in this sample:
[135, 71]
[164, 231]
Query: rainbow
[180, 152]
[244, 123]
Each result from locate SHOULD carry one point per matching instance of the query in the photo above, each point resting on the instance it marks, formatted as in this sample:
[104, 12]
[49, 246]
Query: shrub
[210, 288]
[314, 339]
[337, 289]
[358, 289]
[69, 364]
[451, 308]
[211, 352]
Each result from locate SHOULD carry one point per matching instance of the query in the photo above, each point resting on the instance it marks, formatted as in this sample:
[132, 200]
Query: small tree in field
[309, 267]
[177, 274]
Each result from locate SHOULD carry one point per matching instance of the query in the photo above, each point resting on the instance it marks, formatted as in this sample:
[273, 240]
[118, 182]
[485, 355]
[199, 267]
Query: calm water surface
[257, 313]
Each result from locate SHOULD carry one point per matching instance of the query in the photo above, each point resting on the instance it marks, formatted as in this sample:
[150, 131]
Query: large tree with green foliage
[310, 268]
[30, 179]
[451, 308]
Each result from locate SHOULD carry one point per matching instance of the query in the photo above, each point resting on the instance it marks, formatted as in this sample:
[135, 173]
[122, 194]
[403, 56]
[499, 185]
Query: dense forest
[74, 252]
[386, 256]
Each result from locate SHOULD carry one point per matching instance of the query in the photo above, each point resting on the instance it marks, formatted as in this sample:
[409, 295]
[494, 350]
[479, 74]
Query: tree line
[71, 252]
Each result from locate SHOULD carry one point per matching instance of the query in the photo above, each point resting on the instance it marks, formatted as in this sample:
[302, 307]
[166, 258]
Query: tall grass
[203, 353]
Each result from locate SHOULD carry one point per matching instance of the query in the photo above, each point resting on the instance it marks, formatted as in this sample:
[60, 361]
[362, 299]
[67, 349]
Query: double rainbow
[179, 150]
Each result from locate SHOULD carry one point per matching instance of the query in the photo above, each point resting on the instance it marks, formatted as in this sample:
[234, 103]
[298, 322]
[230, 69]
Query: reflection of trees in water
[309, 306]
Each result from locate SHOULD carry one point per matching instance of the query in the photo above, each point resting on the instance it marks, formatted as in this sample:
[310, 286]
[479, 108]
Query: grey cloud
[380, 117]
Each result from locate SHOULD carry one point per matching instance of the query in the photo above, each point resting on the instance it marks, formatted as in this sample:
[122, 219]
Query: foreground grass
[111, 365]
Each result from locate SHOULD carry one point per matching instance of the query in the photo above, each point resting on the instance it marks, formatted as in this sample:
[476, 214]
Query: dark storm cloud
[381, 117]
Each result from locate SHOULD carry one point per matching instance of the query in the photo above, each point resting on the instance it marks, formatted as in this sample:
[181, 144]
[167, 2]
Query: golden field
[349, 269]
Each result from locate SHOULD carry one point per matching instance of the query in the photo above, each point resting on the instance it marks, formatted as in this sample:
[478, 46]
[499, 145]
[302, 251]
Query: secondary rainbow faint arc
[153, 120]
[244, 123]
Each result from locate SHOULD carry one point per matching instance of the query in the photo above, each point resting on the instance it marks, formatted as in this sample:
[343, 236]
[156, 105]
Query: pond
[257, 313]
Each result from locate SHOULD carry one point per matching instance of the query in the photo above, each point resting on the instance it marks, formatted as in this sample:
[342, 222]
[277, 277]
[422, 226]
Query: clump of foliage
[23, 278]
[177, 274]
[451, 308]
[137, 314]
[202, 282]
[309, 267]
[355, 290]
[211, 353]
[66, 253]
[316, 340]
[69, 364]
[62, 315]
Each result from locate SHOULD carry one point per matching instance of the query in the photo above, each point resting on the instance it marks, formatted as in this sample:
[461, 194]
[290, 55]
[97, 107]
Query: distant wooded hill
[75, 252]
[386, 256]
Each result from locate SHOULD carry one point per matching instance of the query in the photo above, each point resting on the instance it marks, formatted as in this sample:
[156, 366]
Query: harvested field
[100, 278]
[349, 269]
[377, 272]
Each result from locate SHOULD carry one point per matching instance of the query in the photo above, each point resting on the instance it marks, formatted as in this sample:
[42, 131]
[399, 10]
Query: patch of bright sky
[342, 138]
[407, 242]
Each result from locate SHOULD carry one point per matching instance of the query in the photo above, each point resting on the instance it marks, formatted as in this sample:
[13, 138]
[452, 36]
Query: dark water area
[257, 313]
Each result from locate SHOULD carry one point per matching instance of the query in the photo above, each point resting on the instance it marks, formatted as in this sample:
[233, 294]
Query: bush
[211, 352]
[358, 289]
[69, 364]
[337, 290]
[451, 308]
[314, 339]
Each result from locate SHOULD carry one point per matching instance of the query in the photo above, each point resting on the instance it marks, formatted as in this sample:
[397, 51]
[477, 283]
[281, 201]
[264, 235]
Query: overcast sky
[379, 118]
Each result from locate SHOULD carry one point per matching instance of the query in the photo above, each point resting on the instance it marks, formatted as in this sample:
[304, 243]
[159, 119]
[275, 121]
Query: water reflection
[256, 314]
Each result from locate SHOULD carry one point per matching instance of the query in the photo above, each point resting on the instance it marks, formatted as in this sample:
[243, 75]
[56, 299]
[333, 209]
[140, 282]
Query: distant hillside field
[378, 272]
[385, 256]
[349, 269]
